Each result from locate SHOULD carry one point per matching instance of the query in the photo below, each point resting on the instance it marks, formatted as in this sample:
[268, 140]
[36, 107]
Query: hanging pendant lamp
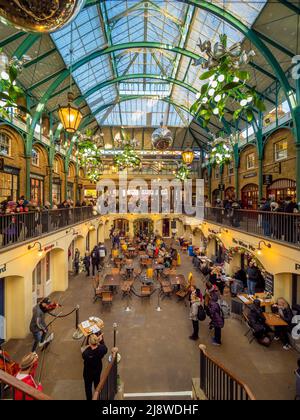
[70, 116]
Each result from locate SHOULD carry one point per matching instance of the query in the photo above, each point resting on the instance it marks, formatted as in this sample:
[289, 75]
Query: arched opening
[38, 174]
[58, 173]
[281, 189]
[230, 193]
[250, 197]
[143, 227]
[71, 181]
[121, 225]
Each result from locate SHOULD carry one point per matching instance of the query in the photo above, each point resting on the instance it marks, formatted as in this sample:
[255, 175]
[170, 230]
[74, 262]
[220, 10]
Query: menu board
[269, 279]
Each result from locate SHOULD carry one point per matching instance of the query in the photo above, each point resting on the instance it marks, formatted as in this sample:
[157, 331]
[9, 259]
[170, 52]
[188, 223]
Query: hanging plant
[222, 151]
[94, 173]
[127, 158]
[183, 172]
[226, 83]
[10, 93]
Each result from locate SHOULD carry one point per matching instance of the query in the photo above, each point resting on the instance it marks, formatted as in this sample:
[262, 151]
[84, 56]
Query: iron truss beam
[11, 39]
[291, 5]
[274, 44]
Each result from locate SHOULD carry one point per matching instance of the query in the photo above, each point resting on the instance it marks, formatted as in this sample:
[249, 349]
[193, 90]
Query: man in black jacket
[258, 322]
[92, 357]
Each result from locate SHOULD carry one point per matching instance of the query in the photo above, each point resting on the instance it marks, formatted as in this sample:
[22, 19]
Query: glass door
[166, 228]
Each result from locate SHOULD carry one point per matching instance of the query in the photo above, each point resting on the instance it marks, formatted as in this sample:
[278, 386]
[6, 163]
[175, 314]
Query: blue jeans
[38, 336]
[251, 287]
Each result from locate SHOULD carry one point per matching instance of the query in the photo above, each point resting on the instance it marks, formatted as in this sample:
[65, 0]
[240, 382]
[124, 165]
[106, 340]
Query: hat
[94, 340]
[47, 301]
[28, 361]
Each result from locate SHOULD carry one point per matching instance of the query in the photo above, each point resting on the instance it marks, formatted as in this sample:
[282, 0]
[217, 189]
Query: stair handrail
[106, 375]
[203, 354]
[26, 390]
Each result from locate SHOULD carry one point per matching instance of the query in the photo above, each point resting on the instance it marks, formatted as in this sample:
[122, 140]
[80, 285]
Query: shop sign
[244, 244]
[250, 175]
[35, 176]
[297, 267]
[267, 179]
[1, 164]
[269, 282]
[2, 268]
[221, 187]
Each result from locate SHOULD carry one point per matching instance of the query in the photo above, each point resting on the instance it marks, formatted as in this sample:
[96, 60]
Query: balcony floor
[157, 355]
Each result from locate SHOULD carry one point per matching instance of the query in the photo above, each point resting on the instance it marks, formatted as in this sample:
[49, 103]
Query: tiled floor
[157, 355]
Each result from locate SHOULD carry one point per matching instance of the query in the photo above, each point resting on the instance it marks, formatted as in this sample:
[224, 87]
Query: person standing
[102, 253]
[38, 325]
[26, 374]
[252, 278]
[76, 261]
[95, 259]
[92, 357]
[87, 263]
[217, 319]
[196, 299]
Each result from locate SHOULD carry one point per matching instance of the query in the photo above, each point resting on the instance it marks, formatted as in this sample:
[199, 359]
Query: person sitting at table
[258, 324]
[239, 282]
[195, 301]
[283, 309]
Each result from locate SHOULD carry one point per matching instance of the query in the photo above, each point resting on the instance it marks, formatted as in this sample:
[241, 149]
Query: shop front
[70, 191]
[56, 189]
[121, 225]
[37, 188]
[250, 197]
[143, 227]
[41, 279]
[166, 228]
[9, 182]
[281, 189]
[230, 193]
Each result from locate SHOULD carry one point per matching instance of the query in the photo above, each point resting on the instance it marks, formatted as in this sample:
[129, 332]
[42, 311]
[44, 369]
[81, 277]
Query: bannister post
[202, 367]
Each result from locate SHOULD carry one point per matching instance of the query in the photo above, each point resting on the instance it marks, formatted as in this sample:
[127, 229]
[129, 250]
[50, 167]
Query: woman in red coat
[26, 374]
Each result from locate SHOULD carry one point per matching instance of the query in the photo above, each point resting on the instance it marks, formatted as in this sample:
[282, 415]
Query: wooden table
[248, 301]
[112, 280]
[86, 331]
[274, 320]
[177, 279]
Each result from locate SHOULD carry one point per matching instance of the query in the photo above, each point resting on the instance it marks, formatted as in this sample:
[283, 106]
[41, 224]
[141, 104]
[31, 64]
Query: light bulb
[221, 78]
[211, 92]
[249, 99]
[218, 98]
[216, 111]
[214, 84]
[243, 102]
[236, 79]
[4, 75]
[204, 100]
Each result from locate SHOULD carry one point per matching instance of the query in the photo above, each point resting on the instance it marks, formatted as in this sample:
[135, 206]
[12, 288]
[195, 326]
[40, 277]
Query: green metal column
[51, 159]
[222, 181]
[209, 172]
[28, 153]
[260, 153]
[236, 156]
[296, 113]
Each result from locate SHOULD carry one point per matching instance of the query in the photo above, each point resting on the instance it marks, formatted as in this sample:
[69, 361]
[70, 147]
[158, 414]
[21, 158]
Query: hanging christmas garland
[10, 93]
[226, 86]
[89, 151]
[127, 158]
[222, 151]
[183, 172]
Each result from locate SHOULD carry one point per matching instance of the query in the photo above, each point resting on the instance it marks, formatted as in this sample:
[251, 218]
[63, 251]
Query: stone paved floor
[157, 355]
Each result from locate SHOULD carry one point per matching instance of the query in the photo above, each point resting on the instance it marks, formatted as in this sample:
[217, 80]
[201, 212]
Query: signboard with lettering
[269, 280]
[2, 268]
[267, 179]
[250, 175]
[221, 187]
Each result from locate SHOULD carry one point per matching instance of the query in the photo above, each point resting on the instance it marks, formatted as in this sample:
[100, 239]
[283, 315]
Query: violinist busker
[92, 357]
[38, 326]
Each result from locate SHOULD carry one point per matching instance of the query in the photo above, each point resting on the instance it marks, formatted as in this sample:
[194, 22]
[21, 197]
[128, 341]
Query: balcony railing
[108, 387]
[218, 383]
[13, 389]
[19, 227]
[283, 227]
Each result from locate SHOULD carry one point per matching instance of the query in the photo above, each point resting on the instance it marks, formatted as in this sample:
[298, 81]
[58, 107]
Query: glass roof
[141, 100]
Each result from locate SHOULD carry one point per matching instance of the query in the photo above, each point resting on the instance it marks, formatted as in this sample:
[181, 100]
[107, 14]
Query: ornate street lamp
[70, 116]
[188, 156]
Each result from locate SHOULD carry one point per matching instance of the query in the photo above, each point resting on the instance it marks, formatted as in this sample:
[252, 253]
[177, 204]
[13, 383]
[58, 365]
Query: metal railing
[108, 387]
[13, 389]
[19, 227]
[284, 227]
[218, 383]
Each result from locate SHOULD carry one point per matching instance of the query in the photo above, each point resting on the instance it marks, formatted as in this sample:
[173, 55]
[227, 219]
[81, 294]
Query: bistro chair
[107, 297]
[166, 291]
[182, 293]
[98, 290]
[145, 291]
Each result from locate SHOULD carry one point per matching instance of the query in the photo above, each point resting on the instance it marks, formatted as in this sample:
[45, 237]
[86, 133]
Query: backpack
[94, 255]
[225, 309]
[102, 252]
[201, 313]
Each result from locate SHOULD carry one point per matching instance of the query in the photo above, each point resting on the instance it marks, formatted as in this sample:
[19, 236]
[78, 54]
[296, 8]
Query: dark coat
[215, 312]
[256, 319]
